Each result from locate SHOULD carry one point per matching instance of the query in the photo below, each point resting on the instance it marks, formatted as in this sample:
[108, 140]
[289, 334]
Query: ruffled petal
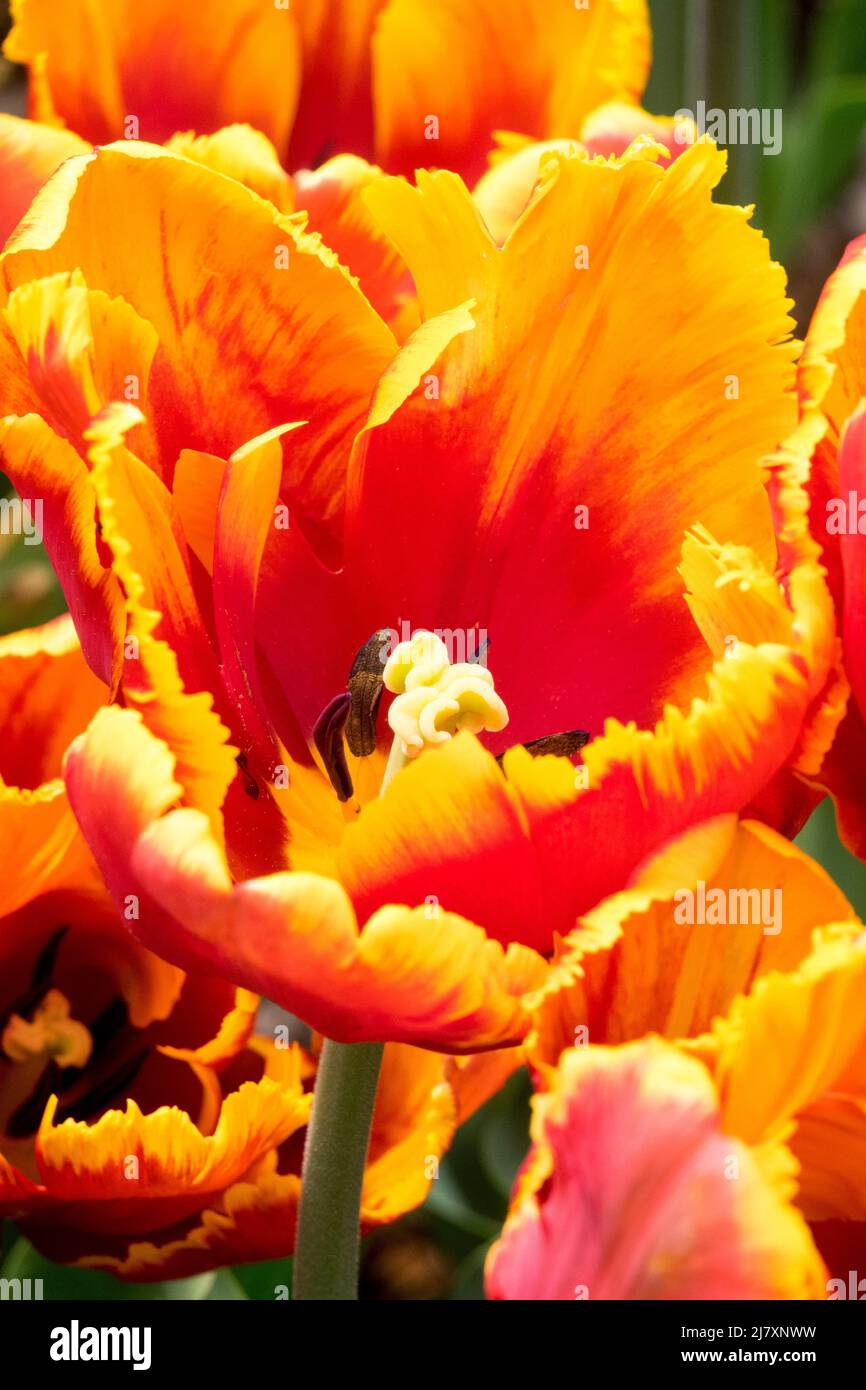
[332, 198]
[628, 1193]
[131, 1174]
[255, 1219]
[47, 696]
[718, 909]
[831, 383]
[795, 1038]
[175, 1159]
[852, 546]
[169, 668]
[44, 466]
[241, 153]
[427, 977]
[611, 128]
[505, 190]
[413, 1124]
[256, 321]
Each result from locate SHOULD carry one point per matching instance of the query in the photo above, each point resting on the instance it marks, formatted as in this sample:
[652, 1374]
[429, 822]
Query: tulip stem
[328, 1243]
[328, 1240]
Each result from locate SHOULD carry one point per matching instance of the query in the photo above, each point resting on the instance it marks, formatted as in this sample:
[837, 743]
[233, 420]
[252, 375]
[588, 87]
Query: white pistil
[435, 700]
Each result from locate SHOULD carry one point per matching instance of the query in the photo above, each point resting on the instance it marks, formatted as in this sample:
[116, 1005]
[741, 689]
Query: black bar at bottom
[244, 1339]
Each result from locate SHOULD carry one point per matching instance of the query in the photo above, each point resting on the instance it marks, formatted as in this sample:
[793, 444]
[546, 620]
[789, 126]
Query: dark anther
[251, 786]
[365, 687]
[328, 738]
[562, 745]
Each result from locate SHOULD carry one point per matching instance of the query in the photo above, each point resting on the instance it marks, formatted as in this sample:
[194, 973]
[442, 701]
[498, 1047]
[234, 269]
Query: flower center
[52, 1034]
[435, 700]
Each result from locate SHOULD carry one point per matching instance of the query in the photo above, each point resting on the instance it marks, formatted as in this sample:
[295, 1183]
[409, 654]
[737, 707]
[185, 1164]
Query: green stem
[328, 1243]
[328, 1240]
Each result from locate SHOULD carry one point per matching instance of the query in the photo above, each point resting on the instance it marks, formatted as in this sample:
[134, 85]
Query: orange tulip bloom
[212, 1176]
[83, 1006]
[240, 565]
[223, 1189]
[416, 84]
[632, 1190]
[143, 1128]
[736, 946]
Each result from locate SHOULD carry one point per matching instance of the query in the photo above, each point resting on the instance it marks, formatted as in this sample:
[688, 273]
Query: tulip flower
[84, 1009]
[199, 1166]
[186, 597]
[398, 80]
[144, 1128]
[246, 474]
[633, 1189]
[737, 947]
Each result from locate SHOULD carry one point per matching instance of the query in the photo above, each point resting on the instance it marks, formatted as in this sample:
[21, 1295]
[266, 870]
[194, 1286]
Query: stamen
[328, 738]
[365, 687]
[435, 700]
[561, 745]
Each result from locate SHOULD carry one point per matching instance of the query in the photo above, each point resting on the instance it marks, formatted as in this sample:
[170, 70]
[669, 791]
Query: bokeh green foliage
[805, 57]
